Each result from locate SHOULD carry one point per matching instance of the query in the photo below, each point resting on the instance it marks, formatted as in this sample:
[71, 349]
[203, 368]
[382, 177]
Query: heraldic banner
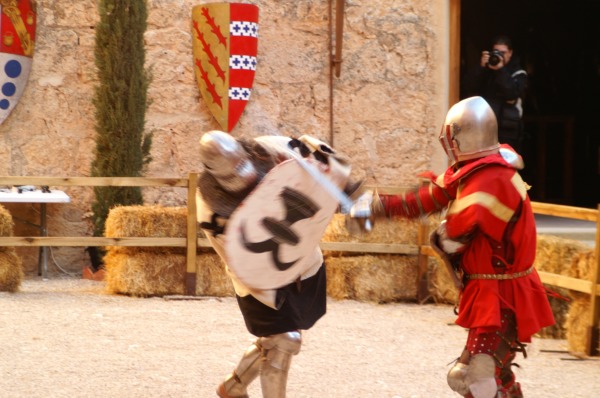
[17, 42]
[225, 45]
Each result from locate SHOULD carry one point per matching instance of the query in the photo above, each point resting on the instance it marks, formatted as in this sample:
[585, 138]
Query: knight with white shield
[264, 204]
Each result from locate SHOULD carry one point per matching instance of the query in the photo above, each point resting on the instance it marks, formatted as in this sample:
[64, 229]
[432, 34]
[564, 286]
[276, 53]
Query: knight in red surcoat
[488, 236]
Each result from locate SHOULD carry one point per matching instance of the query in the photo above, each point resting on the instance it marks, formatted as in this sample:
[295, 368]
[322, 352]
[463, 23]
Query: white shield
[271, 236]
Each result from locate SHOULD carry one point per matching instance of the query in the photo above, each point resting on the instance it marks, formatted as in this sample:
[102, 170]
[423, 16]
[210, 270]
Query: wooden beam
[95, 181]
[84, 241]
[339, 36]
[454, 53]
[566, 282]
[578, 213]
[192, 236]
[384, 248]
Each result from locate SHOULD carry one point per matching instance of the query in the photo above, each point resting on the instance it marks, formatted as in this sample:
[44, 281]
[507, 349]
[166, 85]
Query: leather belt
[501, 276]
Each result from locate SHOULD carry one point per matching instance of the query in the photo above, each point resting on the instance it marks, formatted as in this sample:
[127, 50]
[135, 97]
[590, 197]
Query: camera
[495, 57]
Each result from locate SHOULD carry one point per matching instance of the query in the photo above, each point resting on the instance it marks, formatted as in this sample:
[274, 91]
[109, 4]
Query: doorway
[557, 41]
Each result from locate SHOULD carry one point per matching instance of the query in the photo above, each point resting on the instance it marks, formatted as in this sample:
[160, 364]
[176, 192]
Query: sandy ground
[67, 337]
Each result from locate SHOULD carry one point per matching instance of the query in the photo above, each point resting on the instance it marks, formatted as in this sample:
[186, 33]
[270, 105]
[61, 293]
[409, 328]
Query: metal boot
[246, 371]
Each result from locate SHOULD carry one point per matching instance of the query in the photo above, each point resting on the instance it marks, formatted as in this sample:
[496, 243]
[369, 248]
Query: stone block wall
[388, 103]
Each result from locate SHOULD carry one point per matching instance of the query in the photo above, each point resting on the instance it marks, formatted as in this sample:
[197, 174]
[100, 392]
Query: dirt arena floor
[66, 337]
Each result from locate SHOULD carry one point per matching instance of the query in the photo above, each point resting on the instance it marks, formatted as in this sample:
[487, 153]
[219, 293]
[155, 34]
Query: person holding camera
[501, 81]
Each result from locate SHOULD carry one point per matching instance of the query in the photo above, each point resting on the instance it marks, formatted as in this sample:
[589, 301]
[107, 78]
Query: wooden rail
[191, 242]
[591, 287]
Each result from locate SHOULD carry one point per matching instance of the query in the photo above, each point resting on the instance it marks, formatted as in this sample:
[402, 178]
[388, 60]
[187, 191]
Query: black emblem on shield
[298, 207]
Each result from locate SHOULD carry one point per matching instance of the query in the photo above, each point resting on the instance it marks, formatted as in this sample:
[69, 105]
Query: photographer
[501, 81]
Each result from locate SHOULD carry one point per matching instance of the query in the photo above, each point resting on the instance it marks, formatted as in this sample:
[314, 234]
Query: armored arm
[426, 199]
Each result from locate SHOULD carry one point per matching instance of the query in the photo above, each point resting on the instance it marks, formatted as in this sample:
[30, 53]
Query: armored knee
[480, 376]
[279, 348]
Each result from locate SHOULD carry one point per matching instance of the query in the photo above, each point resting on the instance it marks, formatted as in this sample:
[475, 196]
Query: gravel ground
[69, 338]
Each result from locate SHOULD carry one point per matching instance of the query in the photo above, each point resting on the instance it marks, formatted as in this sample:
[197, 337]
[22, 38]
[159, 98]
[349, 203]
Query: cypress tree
[122, 148]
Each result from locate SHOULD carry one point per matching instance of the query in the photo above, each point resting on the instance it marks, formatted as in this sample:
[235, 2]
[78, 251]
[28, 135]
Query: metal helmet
[470, 130]
[227, 161]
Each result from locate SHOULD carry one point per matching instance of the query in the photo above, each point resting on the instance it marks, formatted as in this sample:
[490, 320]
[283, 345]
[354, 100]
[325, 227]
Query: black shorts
[300, 306]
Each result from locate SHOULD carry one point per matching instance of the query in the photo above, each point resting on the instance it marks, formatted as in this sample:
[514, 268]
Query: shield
[225, 44]
[17, 30]
[271, 237]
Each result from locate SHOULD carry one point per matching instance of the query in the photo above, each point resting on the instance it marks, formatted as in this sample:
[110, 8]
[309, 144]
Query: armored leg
[277, 352]
[484, 368]
[246, 371]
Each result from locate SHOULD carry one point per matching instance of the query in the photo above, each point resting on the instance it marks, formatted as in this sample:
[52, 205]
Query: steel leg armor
[278, 350]
[484, 367]
[270, 357]
[247, 370]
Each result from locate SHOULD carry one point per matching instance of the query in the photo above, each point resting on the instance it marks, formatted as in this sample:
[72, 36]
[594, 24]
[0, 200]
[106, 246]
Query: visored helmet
[470, 130]
[227, 161]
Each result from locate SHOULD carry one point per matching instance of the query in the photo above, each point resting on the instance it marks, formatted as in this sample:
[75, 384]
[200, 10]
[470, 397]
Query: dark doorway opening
[557, 41]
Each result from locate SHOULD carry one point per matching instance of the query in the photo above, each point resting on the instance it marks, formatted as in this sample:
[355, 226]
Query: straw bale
[441, 286]
[578, 321]
[144, 274]
[11, 270]
[6, 227]
[555, 254]
[212, 279]
[582, 265]
[372, 278]
[396, 230]
[146, 222]
[578, 318]
[6, 222]
[153, 221]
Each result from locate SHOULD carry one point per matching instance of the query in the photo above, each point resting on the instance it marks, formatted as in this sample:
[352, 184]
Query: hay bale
[11, 270]
[555, 255]
[153, 221]
[146, 222]
[377, 278]
[577, 322]
[373, 278]
[212, 279]
[397, 230]
[441, 286]
[141, 273]
[11, 267]
[6, 223]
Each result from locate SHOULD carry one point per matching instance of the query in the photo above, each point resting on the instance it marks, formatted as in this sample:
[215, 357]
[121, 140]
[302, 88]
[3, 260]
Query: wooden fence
[191, 242]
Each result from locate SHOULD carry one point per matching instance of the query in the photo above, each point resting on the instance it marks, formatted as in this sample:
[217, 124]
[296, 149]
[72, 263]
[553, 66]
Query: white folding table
[43, 198]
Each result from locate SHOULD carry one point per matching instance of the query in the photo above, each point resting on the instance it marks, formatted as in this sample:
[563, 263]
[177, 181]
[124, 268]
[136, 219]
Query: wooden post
[422, 257]
[593, 337]
[454, 53]
[192, 236]
[423, 262]
[339, 36]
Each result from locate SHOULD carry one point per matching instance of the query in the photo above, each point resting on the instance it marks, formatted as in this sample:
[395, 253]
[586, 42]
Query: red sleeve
[424, 200]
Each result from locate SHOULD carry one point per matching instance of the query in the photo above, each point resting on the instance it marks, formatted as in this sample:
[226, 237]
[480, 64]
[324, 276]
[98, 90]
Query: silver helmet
[227, 161]
[470, 130]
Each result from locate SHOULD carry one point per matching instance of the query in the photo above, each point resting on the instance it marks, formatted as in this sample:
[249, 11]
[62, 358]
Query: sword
[345, 201]
[332, 189]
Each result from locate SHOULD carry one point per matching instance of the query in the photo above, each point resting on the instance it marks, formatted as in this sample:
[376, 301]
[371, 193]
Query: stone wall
[388, 103]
